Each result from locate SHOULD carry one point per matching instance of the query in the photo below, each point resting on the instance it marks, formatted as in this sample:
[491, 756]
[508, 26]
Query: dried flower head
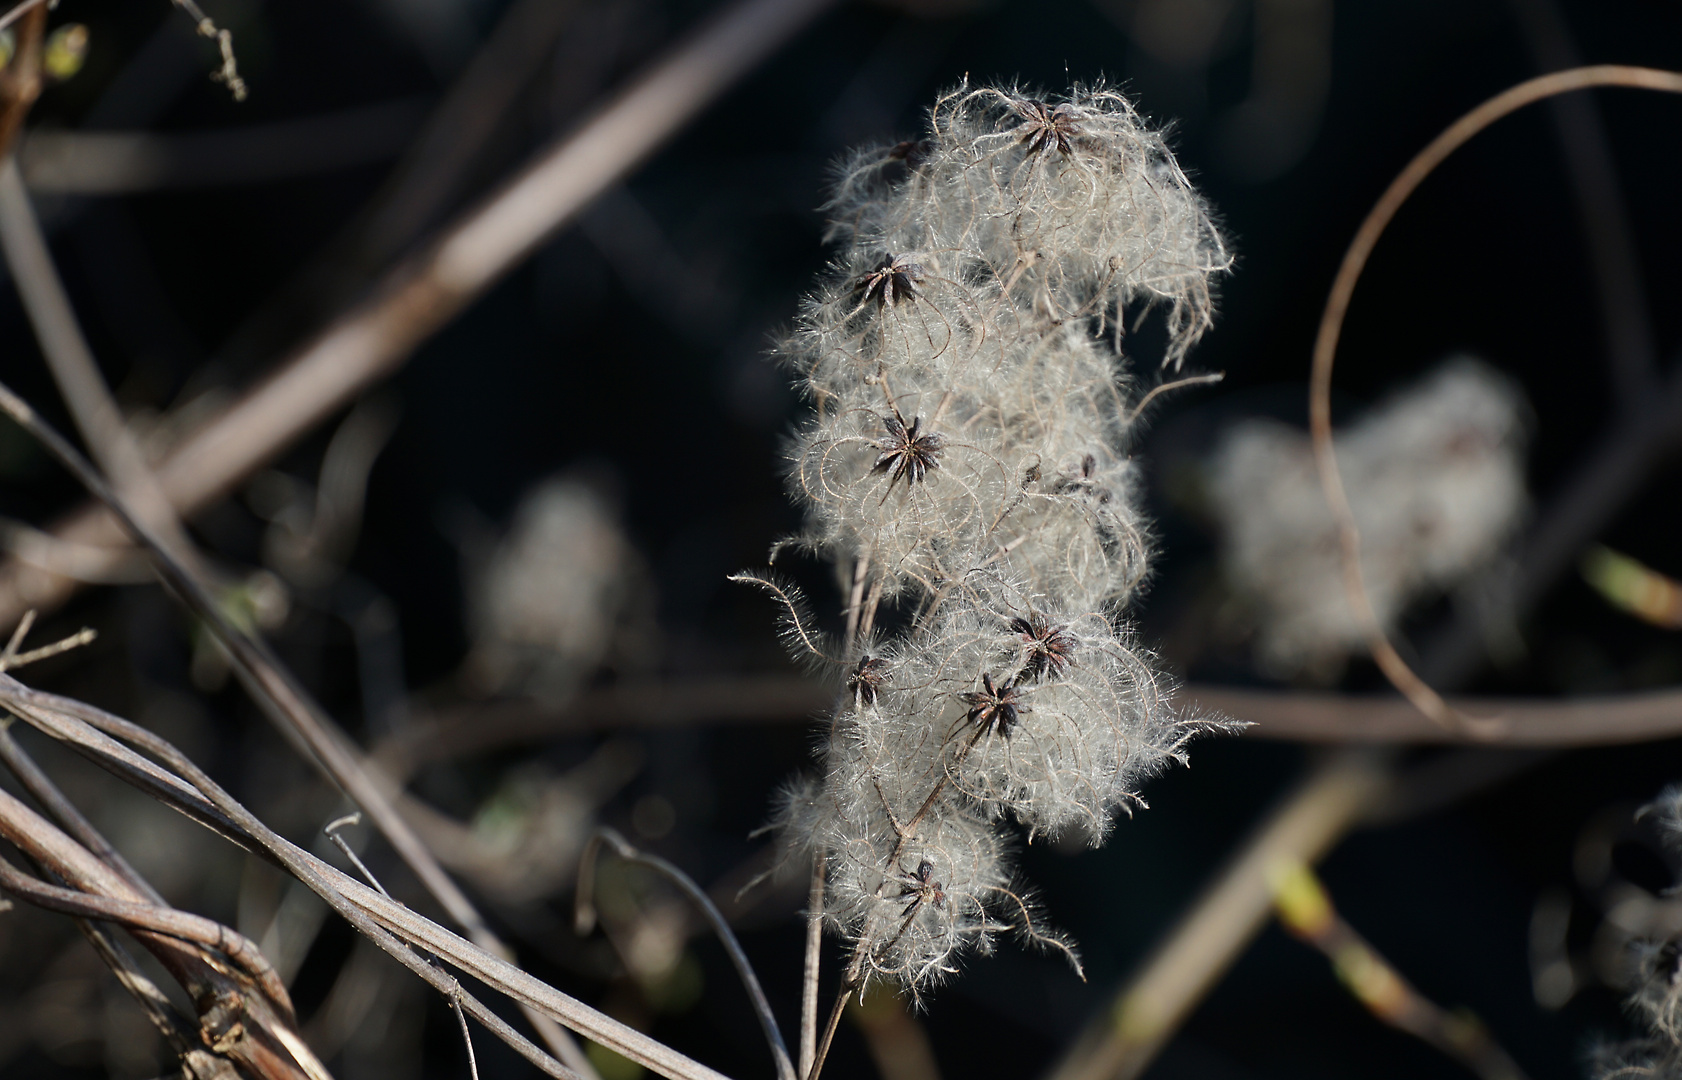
[1048, 648]
[559, 595]
[994, 707]
[907, 452]
[1655, 981]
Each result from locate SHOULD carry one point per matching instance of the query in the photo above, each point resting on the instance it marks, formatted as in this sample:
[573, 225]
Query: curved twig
[176, 924]
[1397, 670]
[584, 920]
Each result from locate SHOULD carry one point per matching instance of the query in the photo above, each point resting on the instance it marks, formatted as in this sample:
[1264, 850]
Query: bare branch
[228, 73]
[1307, 912]
[1305, 716]
[1217, 926]
[74, 369]
[810, 968]
[19, 12]
[287, 704]
[244, 1012]
[20, 80]
[1342, 718]
[425, 292]
[144, 916]
[121, 162]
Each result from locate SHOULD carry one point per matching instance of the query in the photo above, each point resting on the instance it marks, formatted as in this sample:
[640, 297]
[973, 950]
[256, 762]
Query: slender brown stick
[425, 292]
[20, 79]
[139, 916]
[73, 367]
[1133, 1028]
[1397, 670]
[851, 981]
[19, 12]
[1189, 380]
[74, 641]
[585, 918]
[1307, 912]
[1306, 716]
[175, 1028]
[861, 572]
[286, 703]
[106, 163]
[228, 73]
[248, 1018]
[64, 812]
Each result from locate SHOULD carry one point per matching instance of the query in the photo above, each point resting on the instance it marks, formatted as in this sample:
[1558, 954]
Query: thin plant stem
[48, 796]
[1316, 717]
[1291, 715]
[861, 571]
[810, 971]
[585, 920]
[1306, 910]
[16, 641]
[332, 830]
[386, 922]
[1397, 670]
[161, 920]
[176, 1029]
[849, 982]
[1189, 380]
[1138, 1022]
[74, 369]
[20, 79]
[466, 1037]
[18, 12]
[64, 645]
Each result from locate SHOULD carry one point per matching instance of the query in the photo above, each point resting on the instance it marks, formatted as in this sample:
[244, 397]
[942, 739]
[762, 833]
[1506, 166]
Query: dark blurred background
[631, 354]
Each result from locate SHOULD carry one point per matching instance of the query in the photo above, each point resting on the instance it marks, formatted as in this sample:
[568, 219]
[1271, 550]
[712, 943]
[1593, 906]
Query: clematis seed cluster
[966, 466]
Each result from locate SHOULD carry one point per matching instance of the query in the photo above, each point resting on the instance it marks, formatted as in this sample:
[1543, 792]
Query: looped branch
[1397, 670]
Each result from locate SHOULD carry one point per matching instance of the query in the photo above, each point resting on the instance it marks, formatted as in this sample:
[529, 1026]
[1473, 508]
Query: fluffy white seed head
[1435, 479]
[559, 594]
[1072, 204]
[1047, 714]
[1655, 998]
[967, 455]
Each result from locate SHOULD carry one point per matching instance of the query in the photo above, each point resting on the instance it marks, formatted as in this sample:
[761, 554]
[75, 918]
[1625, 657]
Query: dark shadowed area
[503, 568]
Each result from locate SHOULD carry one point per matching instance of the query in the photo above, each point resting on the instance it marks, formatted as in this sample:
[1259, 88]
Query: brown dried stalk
[244, 1011]
[179, 783]
[151, 519]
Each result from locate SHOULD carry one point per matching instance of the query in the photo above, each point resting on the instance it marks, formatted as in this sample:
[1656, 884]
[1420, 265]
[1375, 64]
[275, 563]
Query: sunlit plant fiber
[966, 460]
